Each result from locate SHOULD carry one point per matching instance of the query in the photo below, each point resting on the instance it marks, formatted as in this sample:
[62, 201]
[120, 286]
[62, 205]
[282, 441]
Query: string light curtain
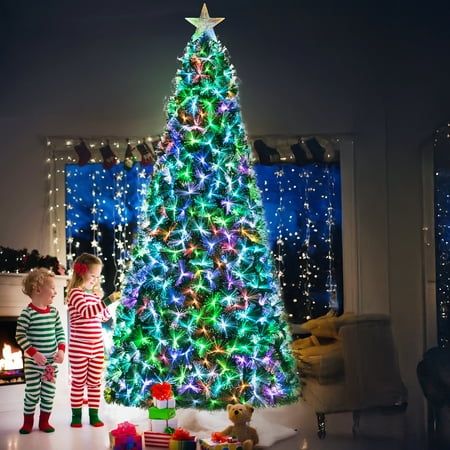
[102, 212]
[442, 231]
[302, 207]
[285, 199]
[303, 211]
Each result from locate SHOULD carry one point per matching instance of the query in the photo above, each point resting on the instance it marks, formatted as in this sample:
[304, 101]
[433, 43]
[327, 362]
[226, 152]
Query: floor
[377, 432]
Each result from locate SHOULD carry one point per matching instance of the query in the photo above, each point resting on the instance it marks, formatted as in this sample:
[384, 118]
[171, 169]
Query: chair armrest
[297, 328]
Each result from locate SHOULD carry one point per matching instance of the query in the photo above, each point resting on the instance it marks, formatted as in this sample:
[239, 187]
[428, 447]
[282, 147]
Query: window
[306, 204]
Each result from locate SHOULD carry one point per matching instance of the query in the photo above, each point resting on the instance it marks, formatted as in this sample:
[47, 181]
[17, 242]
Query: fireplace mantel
[12, 301]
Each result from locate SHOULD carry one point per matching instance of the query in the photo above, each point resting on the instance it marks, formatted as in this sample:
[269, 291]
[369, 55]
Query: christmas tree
[201, 307]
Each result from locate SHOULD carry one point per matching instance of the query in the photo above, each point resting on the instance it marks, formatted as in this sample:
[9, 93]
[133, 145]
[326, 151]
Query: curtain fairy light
[441, 144]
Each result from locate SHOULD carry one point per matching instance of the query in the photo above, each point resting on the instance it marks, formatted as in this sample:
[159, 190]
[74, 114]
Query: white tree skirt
[203, 423]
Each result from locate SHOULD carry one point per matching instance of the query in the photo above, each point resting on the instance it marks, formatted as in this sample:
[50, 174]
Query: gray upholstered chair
[352, 368]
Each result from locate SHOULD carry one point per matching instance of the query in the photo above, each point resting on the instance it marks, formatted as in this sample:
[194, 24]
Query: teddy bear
[49, 374]
[240, 415]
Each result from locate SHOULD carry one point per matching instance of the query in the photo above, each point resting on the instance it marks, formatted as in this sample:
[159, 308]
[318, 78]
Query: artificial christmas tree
[201, 308]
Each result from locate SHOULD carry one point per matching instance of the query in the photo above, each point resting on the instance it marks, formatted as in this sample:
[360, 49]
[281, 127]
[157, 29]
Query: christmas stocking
[300, 154]
[109, 158]
[129, 159]
[84, 154]
[147, 153]
[267, 155]
[316, 149]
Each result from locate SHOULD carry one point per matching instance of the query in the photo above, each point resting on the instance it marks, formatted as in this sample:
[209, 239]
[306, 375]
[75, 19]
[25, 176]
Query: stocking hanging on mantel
[83, 152]
[147, 153]
[201, 306]
[129, 159]
[109, 158]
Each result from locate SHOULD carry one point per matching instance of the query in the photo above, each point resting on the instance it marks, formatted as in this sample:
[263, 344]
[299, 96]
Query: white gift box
[160, 404]
[159, 425]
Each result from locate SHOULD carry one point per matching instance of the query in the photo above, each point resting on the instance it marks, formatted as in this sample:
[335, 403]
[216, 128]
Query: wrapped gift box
[182, 445]
[209, 444]
[162, 404]
[152, 439]
[126, 442]
[182, 440]
[125, 437]
[162, 395]
[159, 426]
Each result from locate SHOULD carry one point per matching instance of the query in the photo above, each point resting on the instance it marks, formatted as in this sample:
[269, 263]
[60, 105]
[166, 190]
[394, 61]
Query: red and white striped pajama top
[86, 348]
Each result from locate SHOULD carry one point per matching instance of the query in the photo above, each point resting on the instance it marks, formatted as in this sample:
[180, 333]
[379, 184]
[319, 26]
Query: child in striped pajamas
[87, 311]
[40, 334]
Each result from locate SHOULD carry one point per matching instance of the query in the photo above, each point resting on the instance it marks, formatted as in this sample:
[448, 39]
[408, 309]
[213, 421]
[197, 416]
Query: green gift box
[161, 413]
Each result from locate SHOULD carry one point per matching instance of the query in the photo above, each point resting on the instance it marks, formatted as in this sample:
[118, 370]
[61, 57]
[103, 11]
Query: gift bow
[80, 268]
[182, 435]
[218, 437]
[124, 429]
[162, 391]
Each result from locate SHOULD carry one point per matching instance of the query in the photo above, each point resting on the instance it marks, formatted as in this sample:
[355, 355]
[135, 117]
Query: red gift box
[153, 439]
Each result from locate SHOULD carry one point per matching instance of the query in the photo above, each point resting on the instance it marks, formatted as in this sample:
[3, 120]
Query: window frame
[60, 153]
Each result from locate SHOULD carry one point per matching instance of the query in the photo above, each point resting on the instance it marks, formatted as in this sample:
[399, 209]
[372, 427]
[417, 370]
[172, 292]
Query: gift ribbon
[182, 435]
[219, 438]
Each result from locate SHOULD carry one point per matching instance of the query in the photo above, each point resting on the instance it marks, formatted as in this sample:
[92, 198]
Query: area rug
[202, 423]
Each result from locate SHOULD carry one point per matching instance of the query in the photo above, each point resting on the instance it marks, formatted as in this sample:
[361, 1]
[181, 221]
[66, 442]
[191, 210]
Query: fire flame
[11, 360]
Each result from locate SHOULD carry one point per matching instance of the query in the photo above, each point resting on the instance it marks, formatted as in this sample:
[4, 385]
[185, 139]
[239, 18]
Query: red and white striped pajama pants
[86, 367]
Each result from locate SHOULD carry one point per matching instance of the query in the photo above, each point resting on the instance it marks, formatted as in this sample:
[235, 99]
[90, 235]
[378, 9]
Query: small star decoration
[204, 23]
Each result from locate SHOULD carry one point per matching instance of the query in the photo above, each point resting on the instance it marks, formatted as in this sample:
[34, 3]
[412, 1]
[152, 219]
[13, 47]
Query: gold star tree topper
[204, 23]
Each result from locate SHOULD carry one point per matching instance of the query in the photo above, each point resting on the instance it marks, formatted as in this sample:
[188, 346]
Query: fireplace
[11, 361]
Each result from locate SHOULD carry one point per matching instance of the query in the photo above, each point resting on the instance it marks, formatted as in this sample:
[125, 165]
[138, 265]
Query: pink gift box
[125, 437]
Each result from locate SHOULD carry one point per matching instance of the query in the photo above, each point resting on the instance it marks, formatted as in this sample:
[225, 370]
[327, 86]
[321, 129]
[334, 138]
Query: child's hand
[112, 298]
[59, 357]
[115, 296]
[39, 359]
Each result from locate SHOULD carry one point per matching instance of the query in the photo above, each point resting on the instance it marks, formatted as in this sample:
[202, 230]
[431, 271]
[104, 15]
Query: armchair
[349, 364]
